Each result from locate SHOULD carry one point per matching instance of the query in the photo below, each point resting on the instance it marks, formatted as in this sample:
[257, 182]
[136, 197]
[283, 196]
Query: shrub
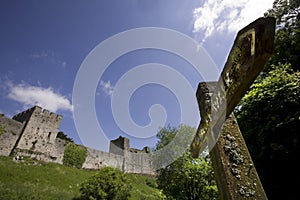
[2, 129]
[63, 136]
[74, 155]
[151, 183]
[107, 184]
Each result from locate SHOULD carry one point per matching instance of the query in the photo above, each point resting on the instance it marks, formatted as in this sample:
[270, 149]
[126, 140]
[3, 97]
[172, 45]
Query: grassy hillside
[144, 188]
[36, 180]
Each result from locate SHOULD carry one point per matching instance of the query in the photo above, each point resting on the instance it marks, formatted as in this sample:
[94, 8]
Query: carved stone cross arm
[235, 172]
[251, 50]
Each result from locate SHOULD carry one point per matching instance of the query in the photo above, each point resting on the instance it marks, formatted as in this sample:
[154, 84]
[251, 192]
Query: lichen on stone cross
[236, 176]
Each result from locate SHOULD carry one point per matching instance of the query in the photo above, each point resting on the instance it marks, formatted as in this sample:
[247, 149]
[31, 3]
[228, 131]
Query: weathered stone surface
[204, 92]
[234, 169]
[98, 159]
[138, 162]
[251, 50]
[38, 136]
[119, 146]
[12, 131]
[33, 132]
[235, 172]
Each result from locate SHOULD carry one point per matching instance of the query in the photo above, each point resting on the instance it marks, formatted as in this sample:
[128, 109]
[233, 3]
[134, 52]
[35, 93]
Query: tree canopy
[74, 155]
[107, 184]
[269, 113]
[287, 39]
[185, 178]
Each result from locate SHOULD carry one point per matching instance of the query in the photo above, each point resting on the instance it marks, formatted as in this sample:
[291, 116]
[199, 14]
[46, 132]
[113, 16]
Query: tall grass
[32, 180]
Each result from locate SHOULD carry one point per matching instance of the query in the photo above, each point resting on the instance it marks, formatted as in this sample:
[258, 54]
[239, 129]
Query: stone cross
[235, 173]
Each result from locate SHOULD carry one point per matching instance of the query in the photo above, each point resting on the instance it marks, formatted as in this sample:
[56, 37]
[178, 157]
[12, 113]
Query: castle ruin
[33, 133]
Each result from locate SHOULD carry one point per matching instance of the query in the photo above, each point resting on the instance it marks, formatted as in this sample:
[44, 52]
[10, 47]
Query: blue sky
[44, 43]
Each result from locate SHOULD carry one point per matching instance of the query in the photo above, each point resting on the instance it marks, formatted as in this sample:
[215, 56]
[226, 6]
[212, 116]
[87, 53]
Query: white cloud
[225, 16]
[106, 87]
[45, 97]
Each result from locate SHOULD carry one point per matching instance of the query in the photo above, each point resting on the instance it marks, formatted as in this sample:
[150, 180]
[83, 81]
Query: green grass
[144, 188]
[36, 180]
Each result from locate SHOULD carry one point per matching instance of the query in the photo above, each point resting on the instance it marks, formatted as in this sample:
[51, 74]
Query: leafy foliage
[287, 38]
[144, 188]
[165, 136]
[188, 178]
[269, 120]
[107, 184]
[177, 137]
[74, 155]
[63, 136]
[269, 114]
[185, 178]
[2, 129]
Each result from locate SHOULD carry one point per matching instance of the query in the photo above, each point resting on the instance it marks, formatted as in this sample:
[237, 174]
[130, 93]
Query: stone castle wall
[12, 131]
[135, 160]
[139, 163]
[97, 159]
[38, 138]
[40, 131]
[33, 133]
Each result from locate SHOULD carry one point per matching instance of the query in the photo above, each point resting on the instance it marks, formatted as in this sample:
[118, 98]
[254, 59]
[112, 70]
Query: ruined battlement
[122, 144]
[144, 150]
[25, 115]
[39, 112]
[33, 133]
[50, 115]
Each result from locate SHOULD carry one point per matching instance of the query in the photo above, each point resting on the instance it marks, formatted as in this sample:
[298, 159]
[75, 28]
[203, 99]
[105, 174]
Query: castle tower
[135, 160]
[40, 130]
[119, 146]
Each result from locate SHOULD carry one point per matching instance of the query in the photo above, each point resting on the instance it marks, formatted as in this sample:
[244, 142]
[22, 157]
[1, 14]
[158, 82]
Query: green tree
[269, 120]
[269, 113]
[107, 184]
[185, 178]
[287, 38]
[165, 136]
[63, 136]
[74, 155]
